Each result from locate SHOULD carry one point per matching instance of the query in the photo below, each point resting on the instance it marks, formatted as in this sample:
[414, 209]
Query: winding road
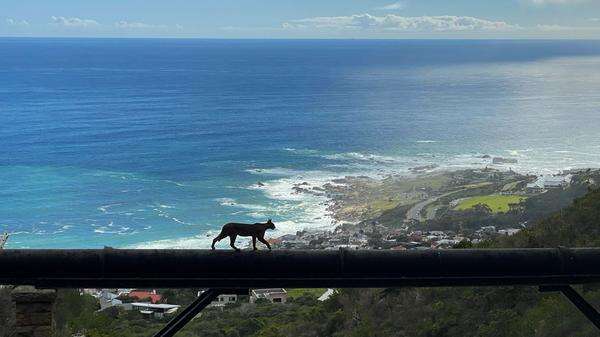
[414, 213]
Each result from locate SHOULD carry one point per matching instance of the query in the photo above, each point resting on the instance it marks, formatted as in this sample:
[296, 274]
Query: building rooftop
[142, 294]
[155, 306]
[262, 292]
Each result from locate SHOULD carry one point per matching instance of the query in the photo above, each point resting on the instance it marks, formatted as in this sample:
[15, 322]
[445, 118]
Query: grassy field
[316, 292]
[498, 203]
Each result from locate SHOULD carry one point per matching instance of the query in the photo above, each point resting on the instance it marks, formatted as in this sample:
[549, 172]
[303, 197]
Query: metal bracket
[584, 306]
[184, 317]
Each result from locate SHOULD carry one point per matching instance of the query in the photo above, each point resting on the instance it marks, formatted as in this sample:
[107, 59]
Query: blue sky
[302, 19]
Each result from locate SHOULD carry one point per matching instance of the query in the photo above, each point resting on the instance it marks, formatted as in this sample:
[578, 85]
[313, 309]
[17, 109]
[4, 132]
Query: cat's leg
[254, 242]
[232, 242]
[217, 239]
[262, 239]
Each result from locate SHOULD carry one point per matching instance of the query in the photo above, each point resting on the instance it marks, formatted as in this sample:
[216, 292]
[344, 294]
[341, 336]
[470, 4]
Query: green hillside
[498, 203]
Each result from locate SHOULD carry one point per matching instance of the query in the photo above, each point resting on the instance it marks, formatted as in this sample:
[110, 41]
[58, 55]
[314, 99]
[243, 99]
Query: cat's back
[233, 225]
[240, 228]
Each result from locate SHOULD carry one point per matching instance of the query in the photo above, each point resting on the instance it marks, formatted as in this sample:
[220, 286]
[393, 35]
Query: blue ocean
[158, 142]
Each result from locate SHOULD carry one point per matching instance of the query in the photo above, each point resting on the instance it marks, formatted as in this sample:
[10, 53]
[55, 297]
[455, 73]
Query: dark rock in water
[422, 168]
[500, 160]
[486, 156]
[297, 189]
[260, 184]
[304, 183]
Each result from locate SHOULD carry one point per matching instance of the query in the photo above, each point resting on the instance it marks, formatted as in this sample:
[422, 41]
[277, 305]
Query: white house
[273, 295]
[509, 231]
[108, 299]
[156, 310]
[223, 300]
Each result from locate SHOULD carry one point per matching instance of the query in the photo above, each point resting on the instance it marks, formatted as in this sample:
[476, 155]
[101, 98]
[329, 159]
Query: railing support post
[584, 306]
[34, 311]
[184, 317]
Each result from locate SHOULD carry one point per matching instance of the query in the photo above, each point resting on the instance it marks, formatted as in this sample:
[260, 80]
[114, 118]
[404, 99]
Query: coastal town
[376, 236]
[153, 304]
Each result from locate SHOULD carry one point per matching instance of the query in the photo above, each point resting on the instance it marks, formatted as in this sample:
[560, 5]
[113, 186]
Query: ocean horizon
[155, 143]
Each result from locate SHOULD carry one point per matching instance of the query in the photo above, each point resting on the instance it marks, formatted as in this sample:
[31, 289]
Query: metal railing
[91, 268]
[553, 269]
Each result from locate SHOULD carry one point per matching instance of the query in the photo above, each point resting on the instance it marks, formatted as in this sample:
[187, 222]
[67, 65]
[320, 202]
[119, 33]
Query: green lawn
[498, 203]
[316, 292]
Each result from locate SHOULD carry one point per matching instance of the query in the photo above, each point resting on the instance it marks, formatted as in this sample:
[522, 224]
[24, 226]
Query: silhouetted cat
[256, 231]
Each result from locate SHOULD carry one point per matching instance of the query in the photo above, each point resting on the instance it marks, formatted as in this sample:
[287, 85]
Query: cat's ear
[269, 221]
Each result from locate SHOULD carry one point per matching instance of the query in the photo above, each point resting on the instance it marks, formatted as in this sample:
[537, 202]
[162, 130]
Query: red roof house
[151, 296]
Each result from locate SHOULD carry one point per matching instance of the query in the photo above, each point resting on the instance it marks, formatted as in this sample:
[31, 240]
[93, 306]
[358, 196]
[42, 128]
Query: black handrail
[94, 268]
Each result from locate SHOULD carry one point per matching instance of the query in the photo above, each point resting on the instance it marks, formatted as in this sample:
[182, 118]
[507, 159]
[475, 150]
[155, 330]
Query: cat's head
[270, 224]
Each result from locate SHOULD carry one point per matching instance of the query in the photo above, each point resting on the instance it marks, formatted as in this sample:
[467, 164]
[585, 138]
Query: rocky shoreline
[390, 212]
[353, 199]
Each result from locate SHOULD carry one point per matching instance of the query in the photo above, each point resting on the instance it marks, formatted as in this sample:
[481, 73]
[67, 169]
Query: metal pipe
[298, 268]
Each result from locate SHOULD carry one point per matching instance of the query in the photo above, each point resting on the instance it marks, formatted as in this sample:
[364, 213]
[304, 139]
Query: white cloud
[559, 28]
[556, 2]
[554, 28]
[15, 22]
[392, 22]
[73, 22]
[138, 25]
[126, 24]
[393, 6]
[594, 19]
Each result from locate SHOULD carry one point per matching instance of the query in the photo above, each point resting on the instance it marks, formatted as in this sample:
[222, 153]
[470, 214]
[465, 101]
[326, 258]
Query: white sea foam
[233, 203]
[175, 183]
[257, 215]
[19, 233]
[105, 208]
[301, 151]
[357, 156]
[225, 201]
[275, 171]
[166, 206]
[296, 211]
[179, 221]
[110, 229]
[194, 242]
